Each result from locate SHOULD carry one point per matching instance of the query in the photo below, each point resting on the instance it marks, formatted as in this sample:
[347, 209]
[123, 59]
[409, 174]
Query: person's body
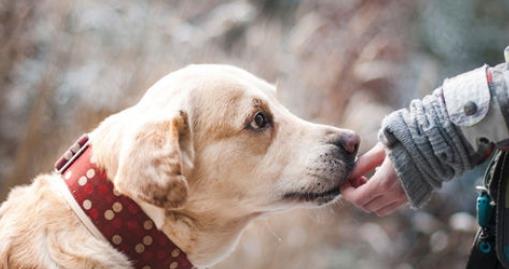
[436, 139]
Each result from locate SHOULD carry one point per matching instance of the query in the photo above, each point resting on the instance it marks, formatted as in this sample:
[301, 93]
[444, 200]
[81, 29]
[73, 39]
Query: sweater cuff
[417, 189]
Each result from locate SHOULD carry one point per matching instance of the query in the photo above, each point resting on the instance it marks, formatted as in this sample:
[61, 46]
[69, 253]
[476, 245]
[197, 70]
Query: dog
[206, 150]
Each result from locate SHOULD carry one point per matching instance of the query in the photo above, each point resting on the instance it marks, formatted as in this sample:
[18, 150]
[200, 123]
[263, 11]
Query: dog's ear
[153, 162]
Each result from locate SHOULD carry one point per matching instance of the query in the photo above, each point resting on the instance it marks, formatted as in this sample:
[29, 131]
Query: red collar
[118, 218]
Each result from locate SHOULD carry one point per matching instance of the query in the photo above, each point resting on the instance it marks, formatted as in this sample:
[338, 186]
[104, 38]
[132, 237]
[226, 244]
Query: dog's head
[215, 137]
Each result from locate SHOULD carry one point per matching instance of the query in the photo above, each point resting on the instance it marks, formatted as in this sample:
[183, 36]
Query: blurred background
[65, 65]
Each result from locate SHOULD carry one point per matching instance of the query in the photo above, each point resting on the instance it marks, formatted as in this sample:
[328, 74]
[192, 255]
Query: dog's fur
[191, 155]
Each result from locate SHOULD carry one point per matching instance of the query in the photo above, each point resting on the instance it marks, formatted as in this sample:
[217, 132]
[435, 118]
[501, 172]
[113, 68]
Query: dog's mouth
[315, 197]
[335, 177]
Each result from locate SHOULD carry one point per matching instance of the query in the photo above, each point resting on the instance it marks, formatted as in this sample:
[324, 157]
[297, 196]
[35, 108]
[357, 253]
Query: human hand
[382, 194]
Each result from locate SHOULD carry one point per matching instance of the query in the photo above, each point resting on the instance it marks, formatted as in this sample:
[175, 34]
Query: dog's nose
[348, 141]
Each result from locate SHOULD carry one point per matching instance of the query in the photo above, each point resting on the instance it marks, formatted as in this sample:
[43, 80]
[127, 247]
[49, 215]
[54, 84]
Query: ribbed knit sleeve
[426, 148]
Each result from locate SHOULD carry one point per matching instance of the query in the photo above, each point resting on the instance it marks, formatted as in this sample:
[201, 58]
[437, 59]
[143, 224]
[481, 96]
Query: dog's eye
[260, 121]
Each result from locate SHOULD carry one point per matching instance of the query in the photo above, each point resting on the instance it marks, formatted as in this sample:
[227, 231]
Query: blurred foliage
[65, 65]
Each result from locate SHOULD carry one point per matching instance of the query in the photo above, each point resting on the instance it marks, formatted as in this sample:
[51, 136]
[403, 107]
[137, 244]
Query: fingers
[359, 181]
[382, 194]
[380, 202]
[389, 209]
[374, 187]
[383, 201]
[362, 195]
[349, 193]
[368, 161]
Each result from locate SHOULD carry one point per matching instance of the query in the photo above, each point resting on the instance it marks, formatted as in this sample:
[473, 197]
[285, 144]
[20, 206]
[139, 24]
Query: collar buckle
[71, 154]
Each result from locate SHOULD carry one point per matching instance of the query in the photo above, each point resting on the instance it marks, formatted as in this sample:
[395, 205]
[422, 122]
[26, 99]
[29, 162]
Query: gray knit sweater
[425, 147]
[427, 142]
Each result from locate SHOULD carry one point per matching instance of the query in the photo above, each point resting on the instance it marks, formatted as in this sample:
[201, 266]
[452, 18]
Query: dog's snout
[348, 141]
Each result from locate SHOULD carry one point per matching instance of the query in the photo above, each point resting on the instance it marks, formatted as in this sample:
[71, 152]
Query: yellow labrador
[206, 150]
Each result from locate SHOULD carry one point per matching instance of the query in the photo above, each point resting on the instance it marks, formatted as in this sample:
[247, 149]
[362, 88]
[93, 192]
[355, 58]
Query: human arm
[434, 140]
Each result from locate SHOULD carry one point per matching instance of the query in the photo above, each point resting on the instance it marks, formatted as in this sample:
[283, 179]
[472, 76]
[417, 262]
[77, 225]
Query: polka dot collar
[115, 217]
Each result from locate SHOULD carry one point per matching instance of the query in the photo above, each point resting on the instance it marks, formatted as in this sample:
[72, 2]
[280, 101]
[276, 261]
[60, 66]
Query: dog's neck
[205, 238]
[209, 235]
